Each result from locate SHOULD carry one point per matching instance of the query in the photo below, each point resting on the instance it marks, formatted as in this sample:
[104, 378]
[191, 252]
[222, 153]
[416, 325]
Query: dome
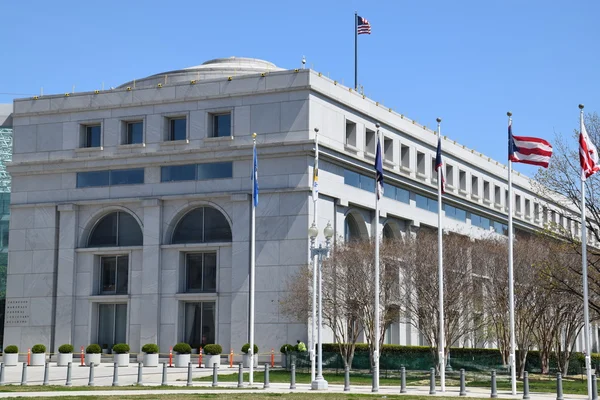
[212, 69]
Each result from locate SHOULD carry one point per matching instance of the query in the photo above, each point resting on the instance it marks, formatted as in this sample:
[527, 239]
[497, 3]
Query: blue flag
[255, 178]
[379, 171]
[439, 163]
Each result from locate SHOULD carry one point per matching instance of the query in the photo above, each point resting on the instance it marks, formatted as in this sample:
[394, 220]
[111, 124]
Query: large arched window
[202, 225]
[351, 229]
[116, 229]
[388, 232]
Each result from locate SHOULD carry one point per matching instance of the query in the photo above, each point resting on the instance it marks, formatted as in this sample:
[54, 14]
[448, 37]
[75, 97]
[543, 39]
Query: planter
[92, 358]
[64, 359]
[10, 360]
[38, 359]
[150, 360]
[182, 360]
[283, 360]
[212, 359]
[122, 360]
[247, 361]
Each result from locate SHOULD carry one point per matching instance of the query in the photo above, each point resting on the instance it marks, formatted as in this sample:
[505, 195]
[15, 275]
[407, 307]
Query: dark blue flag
[379, 171]
[439, 163]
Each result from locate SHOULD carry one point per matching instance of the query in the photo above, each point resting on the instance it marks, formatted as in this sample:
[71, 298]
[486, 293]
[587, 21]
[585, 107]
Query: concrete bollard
[140, 373]
[594, 387]
[46, 374]
[526, 385]
[1, 374]
[116, 375]
[215, 376]
[559, 388]
[266, 384]
[494, 388]
[24, 375]
[240, 376]
[463, 386]
[189, 376]
[91, 379]
[164, 375]
[347, 379]
[402, 380]
[432, 381]
[293, 377]
[68, 382]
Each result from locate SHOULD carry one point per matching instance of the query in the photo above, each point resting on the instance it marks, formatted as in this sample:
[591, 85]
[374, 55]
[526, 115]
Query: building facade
[131, 207]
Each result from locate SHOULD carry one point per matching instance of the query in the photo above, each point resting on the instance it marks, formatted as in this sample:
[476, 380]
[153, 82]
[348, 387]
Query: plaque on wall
[17, 312]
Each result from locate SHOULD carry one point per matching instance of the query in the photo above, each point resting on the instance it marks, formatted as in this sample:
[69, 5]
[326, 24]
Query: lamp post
[319, 254]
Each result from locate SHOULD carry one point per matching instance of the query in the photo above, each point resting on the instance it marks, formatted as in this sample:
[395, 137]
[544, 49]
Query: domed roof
[212, 69]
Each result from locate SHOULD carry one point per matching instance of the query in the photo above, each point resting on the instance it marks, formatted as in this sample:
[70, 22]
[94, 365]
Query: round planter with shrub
[93, 354]
[10, 356]
[65, 355]
[182, 354]
[150, 351]
[286, 353]
[212, 355]
[246, 358]
[38, 355]
[121, 354]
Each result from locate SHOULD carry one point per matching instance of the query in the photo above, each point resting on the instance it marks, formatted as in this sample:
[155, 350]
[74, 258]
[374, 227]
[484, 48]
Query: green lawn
[250, 396]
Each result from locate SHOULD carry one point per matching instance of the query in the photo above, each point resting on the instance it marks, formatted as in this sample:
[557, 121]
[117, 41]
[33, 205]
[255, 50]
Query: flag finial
[254, 135]
[377, 125]
[581, 106]
[509, 114]
[316, 130]
[438, 120]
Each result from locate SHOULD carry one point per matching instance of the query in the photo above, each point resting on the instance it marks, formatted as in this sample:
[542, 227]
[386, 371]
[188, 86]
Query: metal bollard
[2, 374]
[68, 382]
[526, 385]
[91, 379]
[140, 373]
[46, 374]
[402, 380]
[24, 375]
[432, 381]
[463, 388]
[164, 375]
[215, 376]
[594, 387]
[293, 377]
[494, 388]
[116, 375]
[266, 384]
[189, 376]
[240, 376]
[346, 379]
[559, 388]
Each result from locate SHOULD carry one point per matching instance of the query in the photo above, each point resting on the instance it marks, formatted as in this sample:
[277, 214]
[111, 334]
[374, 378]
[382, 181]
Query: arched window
[116, 229]
[202, 225]
[388, 232]
[351, 229]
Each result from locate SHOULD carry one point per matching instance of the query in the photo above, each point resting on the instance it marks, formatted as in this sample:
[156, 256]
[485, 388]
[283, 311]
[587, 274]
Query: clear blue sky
[467, 61]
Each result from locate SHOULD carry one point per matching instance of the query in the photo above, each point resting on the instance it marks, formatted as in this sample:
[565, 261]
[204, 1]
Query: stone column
[150, 295]
[240, 264]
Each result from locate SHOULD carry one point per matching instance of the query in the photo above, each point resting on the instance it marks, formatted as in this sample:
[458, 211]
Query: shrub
[246, 347]
[65, 349]
[286, 348]
[121, 348]
[93, 349]
[12, 349]
[213, 349]
[182, 348]
[150, 348]
[38, 349]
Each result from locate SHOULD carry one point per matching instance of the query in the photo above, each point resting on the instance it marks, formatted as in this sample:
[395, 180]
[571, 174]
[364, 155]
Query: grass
[57, 388]
[250, 396]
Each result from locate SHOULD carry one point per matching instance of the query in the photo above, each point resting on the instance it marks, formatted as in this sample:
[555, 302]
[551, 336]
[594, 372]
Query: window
[481, 222]
[109, 178]
[191, 172]
[221, 125]
[474, 186]
[462, 180]
[174, 173]
[497, 197]
[93, 178]
[350, 133]
[201, 272]
[114, 274]
[199, 323]
[426, 203]
[360, 181]
[518, 208]
[536, 211]
[405, 156]
[215, 170]
[351, 229]
[202, 225]
[370, 141]
[434, 174]
[486, 191]
[455, 213]
[500, 228]
[449, 175]
[116, 229]
[420, 163]
[527, 208]
[4, 234]
[134, 132]
[388, 232]
[177, 128]
[396, 193]
[388, 149]
[92, 135]
[112, 324]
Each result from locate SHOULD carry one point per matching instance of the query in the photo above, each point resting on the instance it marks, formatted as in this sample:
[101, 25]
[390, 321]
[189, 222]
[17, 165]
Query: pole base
[319, 384]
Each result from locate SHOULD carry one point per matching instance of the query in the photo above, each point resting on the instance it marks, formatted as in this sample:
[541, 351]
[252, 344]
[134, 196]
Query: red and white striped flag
[528, 150]
[588, 154]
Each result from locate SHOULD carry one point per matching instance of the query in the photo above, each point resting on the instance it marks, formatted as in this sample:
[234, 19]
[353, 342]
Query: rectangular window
[351, 178]
[486, 191]
[114, 274]
[215, 170]
[135, 132]
[370, 141]
[426, 203]
[497, 198]
[175, 173]
[455, 213]
[201, 272]
[93, 179]
[481, 222]
[367, 183]
[177, 128]
[388, 149]
[402, 195]
[449, 175]
[127, 176]
[112, 324]
[518, 208]
[527, 208]
[474, 186]
[420, 163]
[199, 324]
[536, 211]
[500, 228]
[462, 180]
[221, 125]
[92, 136]
[350, 133]
[434, 174]
[405, 156]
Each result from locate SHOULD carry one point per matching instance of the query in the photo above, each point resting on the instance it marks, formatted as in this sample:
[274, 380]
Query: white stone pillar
[240, 264]
[151, 269]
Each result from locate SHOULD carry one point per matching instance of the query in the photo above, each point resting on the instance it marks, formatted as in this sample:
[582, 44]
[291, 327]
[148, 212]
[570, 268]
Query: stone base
[319, 384]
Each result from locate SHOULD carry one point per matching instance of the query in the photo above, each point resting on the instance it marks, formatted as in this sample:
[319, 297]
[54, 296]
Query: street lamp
[319, 254]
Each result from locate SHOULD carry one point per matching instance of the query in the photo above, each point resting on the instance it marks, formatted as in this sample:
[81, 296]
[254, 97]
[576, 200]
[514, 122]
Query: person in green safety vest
[301, 346]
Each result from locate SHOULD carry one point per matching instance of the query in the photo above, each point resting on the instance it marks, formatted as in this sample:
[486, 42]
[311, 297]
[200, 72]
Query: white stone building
[130, 207]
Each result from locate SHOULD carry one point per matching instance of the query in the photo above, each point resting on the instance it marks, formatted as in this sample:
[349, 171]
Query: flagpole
[586, 313]
[315, 261]
[511, 288]
[356, 51]
[375, 387]
[441, 339]
[252, 264]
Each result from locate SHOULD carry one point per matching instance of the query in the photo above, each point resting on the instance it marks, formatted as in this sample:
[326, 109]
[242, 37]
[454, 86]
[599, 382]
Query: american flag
[363, 26]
